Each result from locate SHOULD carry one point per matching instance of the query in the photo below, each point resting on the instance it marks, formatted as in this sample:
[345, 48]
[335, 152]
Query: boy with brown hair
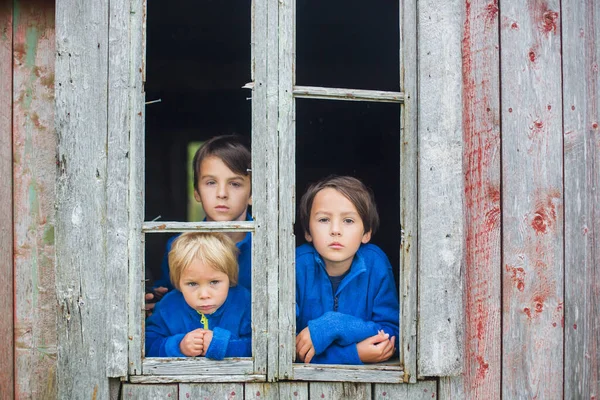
[347, 309]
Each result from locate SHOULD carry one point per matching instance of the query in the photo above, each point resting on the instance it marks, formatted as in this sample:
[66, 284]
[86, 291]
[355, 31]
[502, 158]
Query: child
[222, 184]
[346, 302]
[207, 314]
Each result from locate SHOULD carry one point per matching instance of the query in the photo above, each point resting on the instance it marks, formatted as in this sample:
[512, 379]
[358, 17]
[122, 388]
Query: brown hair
[354, 190]
[231, 149]
[215, 249]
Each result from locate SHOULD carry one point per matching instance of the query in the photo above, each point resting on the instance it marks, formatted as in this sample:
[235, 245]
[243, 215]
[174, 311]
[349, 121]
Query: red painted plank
[581, 86]
[6, 223]
[481, 109]
[34, 154]
[532, 199]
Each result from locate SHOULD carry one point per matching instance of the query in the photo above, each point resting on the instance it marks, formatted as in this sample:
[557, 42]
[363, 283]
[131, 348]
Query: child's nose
[222, 191]
[204, 293]
[335, 229]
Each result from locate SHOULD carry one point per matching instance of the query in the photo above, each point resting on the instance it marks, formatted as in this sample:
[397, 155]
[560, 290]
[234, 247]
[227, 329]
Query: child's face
[225, 195]
[336, 230]
[204, 288]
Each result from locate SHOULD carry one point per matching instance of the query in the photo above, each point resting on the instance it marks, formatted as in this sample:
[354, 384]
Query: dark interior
[198, 58]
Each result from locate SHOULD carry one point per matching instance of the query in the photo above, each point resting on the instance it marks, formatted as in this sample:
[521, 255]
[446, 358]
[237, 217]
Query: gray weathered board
[441, 216]
[532, 200]
[581, 116]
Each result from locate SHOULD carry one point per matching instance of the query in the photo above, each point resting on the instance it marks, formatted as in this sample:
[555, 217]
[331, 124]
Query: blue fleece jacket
[173, 318]
[366, 301]
[244, 261]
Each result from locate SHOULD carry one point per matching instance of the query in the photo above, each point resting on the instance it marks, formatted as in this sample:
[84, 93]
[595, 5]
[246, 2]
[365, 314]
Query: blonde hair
[214, 249]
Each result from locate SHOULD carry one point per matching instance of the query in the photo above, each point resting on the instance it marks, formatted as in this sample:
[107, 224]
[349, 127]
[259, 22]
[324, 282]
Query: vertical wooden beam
[34, 172]
[481, 121]
[117, 179]
[7, 376]
[339, 391]
[211, 391]
[137, 78]
[441, 189]
[81, 239]
[409, 219]
[581, 113]
[532, 200]
[261, 255]
[287, 189]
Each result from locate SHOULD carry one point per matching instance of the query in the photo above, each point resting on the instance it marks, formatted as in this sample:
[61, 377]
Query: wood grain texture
[312, 92]
[481, 121]
[407, 342]
[581, 116]
[260, 195]
[117, 188]
[224, 391]
[176, 226]
[423, 390]
[348, 373]
[81, 238]
[34, 172]
[145, 392]
[137, 71]
[287, 190]
[441, 189]
[196, 366]
[339, 391]
[204, 378]
[271, 172]
[532, 200]
[7, 376]
[261, 391]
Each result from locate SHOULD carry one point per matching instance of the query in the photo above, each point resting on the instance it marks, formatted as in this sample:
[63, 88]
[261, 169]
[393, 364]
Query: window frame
[273, 146]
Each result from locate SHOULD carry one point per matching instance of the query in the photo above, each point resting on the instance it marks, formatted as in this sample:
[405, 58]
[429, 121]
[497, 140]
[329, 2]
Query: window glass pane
[358, 139]
[348, 44]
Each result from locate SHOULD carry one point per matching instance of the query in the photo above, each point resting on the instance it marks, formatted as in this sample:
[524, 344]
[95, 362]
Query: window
[200, 96]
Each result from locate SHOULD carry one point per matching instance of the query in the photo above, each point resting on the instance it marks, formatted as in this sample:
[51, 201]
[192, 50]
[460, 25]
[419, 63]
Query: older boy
[207, 314]
[347, 306]
[222, 184]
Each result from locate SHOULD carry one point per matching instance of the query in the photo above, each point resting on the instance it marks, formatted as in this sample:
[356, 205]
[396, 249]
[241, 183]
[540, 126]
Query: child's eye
[236, 184]
[323, 220]
[213, 283]
[192, 284]
[209, 183]
[348, 221]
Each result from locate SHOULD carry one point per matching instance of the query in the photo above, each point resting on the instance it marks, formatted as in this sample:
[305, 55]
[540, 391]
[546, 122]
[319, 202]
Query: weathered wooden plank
[261, 391]
[34, 147]
[323, 93]
[216, 226]
[7, 376]
[407, 342]
[81, 124]
[272, 190]
[481, 98]
[145, 392]
[346, 373]
[287, 190]
[423, 390]
[137, 71]
[197, 366]
[441, 235]
[117, 187]
[225, 391]
[581, 116]
[532, 200]
[260, 206]
[154, 379]
[341, 391]
[293, 390]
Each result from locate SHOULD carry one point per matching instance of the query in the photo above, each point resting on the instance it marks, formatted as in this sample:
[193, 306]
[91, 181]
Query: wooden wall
[531, 151]
[27, 120]
[532, 146]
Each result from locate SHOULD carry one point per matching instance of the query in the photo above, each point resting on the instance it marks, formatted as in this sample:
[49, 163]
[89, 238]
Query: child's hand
[208, 335]
[304, 346]
[192, 344]
[377, 348]
[152, 297]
